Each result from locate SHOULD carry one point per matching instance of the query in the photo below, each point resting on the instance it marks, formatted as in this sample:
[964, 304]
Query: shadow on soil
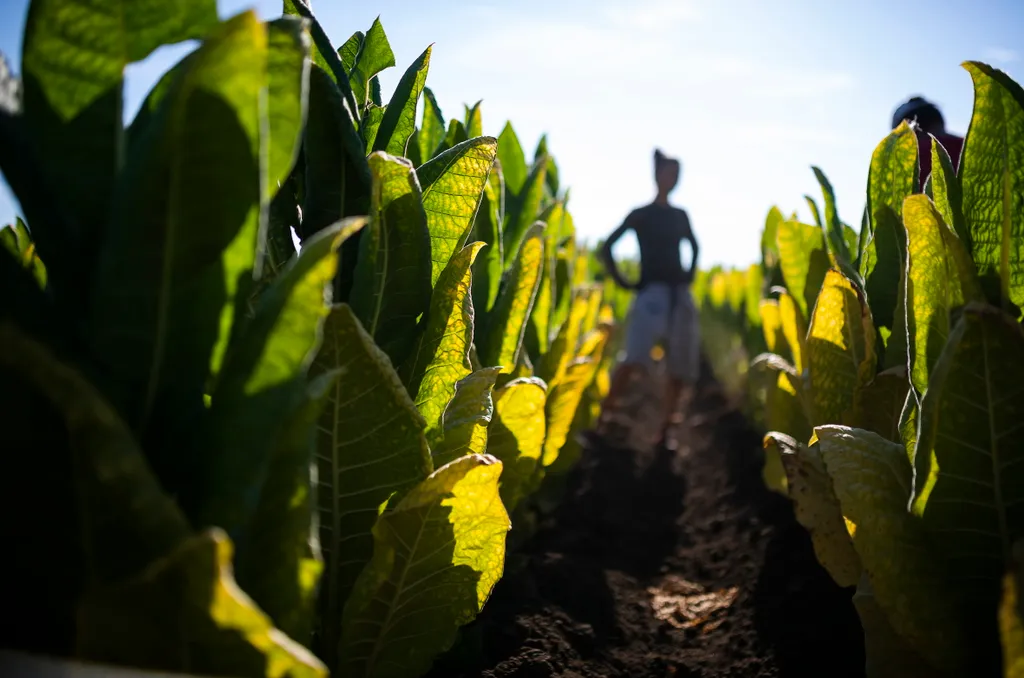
[576, 599]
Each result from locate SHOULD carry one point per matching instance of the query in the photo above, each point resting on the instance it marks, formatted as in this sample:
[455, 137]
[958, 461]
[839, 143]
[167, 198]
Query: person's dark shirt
[659, 230]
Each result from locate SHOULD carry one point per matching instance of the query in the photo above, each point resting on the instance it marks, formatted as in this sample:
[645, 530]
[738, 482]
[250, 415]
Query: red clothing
[953, 145]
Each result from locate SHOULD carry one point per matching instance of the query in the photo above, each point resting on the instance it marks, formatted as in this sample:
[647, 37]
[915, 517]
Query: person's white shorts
[652, 320]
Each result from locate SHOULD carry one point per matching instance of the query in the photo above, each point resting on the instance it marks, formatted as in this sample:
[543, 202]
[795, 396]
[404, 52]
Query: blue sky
[747, 93]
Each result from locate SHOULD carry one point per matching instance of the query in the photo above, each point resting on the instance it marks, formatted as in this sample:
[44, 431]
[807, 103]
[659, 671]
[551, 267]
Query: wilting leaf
[516, 435]
[892, 178]
[400, 119]
[992, 177]
[185, 613]
[880, 403]
[506, 325]
[172, 290]
[440, 357]
[565, 397]
[436, 557]
[513, 160]
[370, 448]
[452, 184]
[947, 194]
[467, 417]
[817, 508]
[264, 375]
[391, 288]
[374, 56]
[276, 563]
[804, 262]
[840, 350]
[73, 61]
[432, 130]
[969, 471]
[940, 277]
[873, 481]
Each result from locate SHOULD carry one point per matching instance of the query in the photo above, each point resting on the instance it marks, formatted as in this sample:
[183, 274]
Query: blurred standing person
[663, 310]
[930, 123]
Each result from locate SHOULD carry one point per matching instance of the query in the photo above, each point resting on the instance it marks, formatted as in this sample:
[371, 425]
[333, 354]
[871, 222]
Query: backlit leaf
[804, 262]
[880, 403]
[399, 120]
[947, 194]
[522, 211]
[467, 417]
[436, 557]
[840, 350]
[370, 448]
[516, 435]
[513, 160]
[565, 396]
[833, 227]
[487, 229]
[873, 481]
[374, 56]
[432, 129]
[992, 177]
[452, 185]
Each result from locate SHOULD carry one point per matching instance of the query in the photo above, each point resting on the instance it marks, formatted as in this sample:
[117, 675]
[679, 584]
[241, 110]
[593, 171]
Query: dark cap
[911, 108]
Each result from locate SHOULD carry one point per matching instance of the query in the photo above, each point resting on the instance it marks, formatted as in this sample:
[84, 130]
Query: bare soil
[666, 563]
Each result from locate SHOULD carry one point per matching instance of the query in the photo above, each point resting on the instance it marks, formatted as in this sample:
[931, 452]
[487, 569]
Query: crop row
[888, 369]
[228, 456]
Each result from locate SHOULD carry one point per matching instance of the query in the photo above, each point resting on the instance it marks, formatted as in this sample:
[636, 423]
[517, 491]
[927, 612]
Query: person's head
[924, 112]
[666, 172]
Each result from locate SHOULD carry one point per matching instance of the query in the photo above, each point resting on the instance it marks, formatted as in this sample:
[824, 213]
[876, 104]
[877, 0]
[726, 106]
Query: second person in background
[663, 310]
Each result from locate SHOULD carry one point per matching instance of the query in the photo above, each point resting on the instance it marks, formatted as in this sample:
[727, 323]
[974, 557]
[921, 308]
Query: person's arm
[609, 260]
[694, 247]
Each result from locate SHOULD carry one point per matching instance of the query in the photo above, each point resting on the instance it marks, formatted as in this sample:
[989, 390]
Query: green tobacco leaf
[277, 563]
[474, 121]
[324, 57]
[126, 519]
[538, 333]
[453, 183]
[185, 613]
[19, 243]
[969, 476]
[817, 508]
[947, 194]
[555, 362]
[880, 403]
[263, 376]
[754, 285]
[513, 160]
[370, 450]
[467, 417]
[873, 481]
[992, 177]
[892, 178]
[372, 118]
[288, 52]
[833, 227]
[516, 435]
[794, 330]
[400, 118]
[374, 56]
[769, 238]
[940, 277]
[506, 326]
[887, 654]
[73, 61]
[771, 325]
[195, 181]
[840, 350]
[440, 357]
[349, 52]
[337, 178]
[565, 397]
[432, 129]
[804, 262]
[523, 210]
[815, 212]
[436, 557]
[392, 277]
[487, 229]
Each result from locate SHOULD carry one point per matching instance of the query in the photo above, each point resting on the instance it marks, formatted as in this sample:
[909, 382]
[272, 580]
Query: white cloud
[1001, 55]
[651, 15]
